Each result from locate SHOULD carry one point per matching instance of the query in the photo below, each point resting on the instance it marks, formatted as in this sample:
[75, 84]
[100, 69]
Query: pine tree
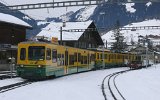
[149, 42]
[119, 44]
[132, 41]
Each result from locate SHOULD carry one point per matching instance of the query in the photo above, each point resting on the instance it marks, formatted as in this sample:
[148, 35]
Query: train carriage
[38, 60]
[113, 59]
[41, 60]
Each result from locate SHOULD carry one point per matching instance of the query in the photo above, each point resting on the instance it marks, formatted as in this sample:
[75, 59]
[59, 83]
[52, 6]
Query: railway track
[2, 77]
[14, 86]
[5, 75]
[111, 79]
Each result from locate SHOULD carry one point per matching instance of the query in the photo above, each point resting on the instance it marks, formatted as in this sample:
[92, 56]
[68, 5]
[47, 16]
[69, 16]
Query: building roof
[13, 20]
[53, 30]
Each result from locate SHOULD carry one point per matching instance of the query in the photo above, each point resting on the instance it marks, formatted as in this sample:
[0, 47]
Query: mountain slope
[104, 15]
[107, 15]
[134, 34]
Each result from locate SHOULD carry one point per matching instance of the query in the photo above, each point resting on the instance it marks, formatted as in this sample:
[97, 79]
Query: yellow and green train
[39, 60]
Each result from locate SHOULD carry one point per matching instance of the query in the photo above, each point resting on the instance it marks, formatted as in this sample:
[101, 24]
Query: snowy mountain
[85, 13]
[104, 15]
[107, 15]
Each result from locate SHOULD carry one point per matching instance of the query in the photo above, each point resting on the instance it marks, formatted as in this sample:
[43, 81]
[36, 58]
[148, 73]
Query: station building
[12, 31]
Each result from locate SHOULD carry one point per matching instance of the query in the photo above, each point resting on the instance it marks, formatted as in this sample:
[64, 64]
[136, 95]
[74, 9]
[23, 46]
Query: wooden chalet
[75, 34]
[12, 31]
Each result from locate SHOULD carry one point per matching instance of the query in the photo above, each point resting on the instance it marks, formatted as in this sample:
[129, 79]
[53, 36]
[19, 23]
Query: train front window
[36, 53]
[23, 54]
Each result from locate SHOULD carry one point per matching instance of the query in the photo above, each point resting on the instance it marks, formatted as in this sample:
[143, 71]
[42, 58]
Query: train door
[76, 59]
[123, 57]
[66, 61]
[88, 60]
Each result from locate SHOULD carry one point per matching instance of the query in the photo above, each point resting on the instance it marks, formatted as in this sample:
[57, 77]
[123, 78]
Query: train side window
[54, 56]
[123, 57]
[82, 59]
[97, 55]
[62, 59]
[79, 57]
[109, 57]
[93, 57]
[59, 60]
[75, 57]
[23, 54]
[85, 60]
[101, 56]
[48, 54]
[71, 59]
[105, 56]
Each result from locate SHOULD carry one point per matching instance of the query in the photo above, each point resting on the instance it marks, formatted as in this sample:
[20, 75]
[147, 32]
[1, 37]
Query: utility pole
[63, 25]
[11, 59]
[103, 57]
[146, 55]
[61, 35]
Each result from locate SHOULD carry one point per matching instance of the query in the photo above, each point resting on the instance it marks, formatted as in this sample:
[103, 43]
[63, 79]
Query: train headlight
[21, 65]
[39, 66]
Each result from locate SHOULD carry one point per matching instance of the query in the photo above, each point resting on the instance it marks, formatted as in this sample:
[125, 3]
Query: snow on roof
[53, 30]
[12, 19]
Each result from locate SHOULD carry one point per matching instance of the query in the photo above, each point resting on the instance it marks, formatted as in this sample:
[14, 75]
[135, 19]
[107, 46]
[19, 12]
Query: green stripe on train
[75, 69]
[31, 72]
[35, 72]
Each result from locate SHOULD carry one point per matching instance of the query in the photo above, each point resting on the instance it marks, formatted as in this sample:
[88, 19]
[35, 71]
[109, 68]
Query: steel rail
[109, 87]
[14, 86]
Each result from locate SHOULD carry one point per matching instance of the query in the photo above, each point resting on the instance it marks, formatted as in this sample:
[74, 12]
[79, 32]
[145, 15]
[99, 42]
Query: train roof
[36, 42]
[99, 49]
[41, 42]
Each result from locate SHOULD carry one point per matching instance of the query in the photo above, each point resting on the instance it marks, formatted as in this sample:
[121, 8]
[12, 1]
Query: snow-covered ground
[143, 84]
[135, 85]
[10, 81]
